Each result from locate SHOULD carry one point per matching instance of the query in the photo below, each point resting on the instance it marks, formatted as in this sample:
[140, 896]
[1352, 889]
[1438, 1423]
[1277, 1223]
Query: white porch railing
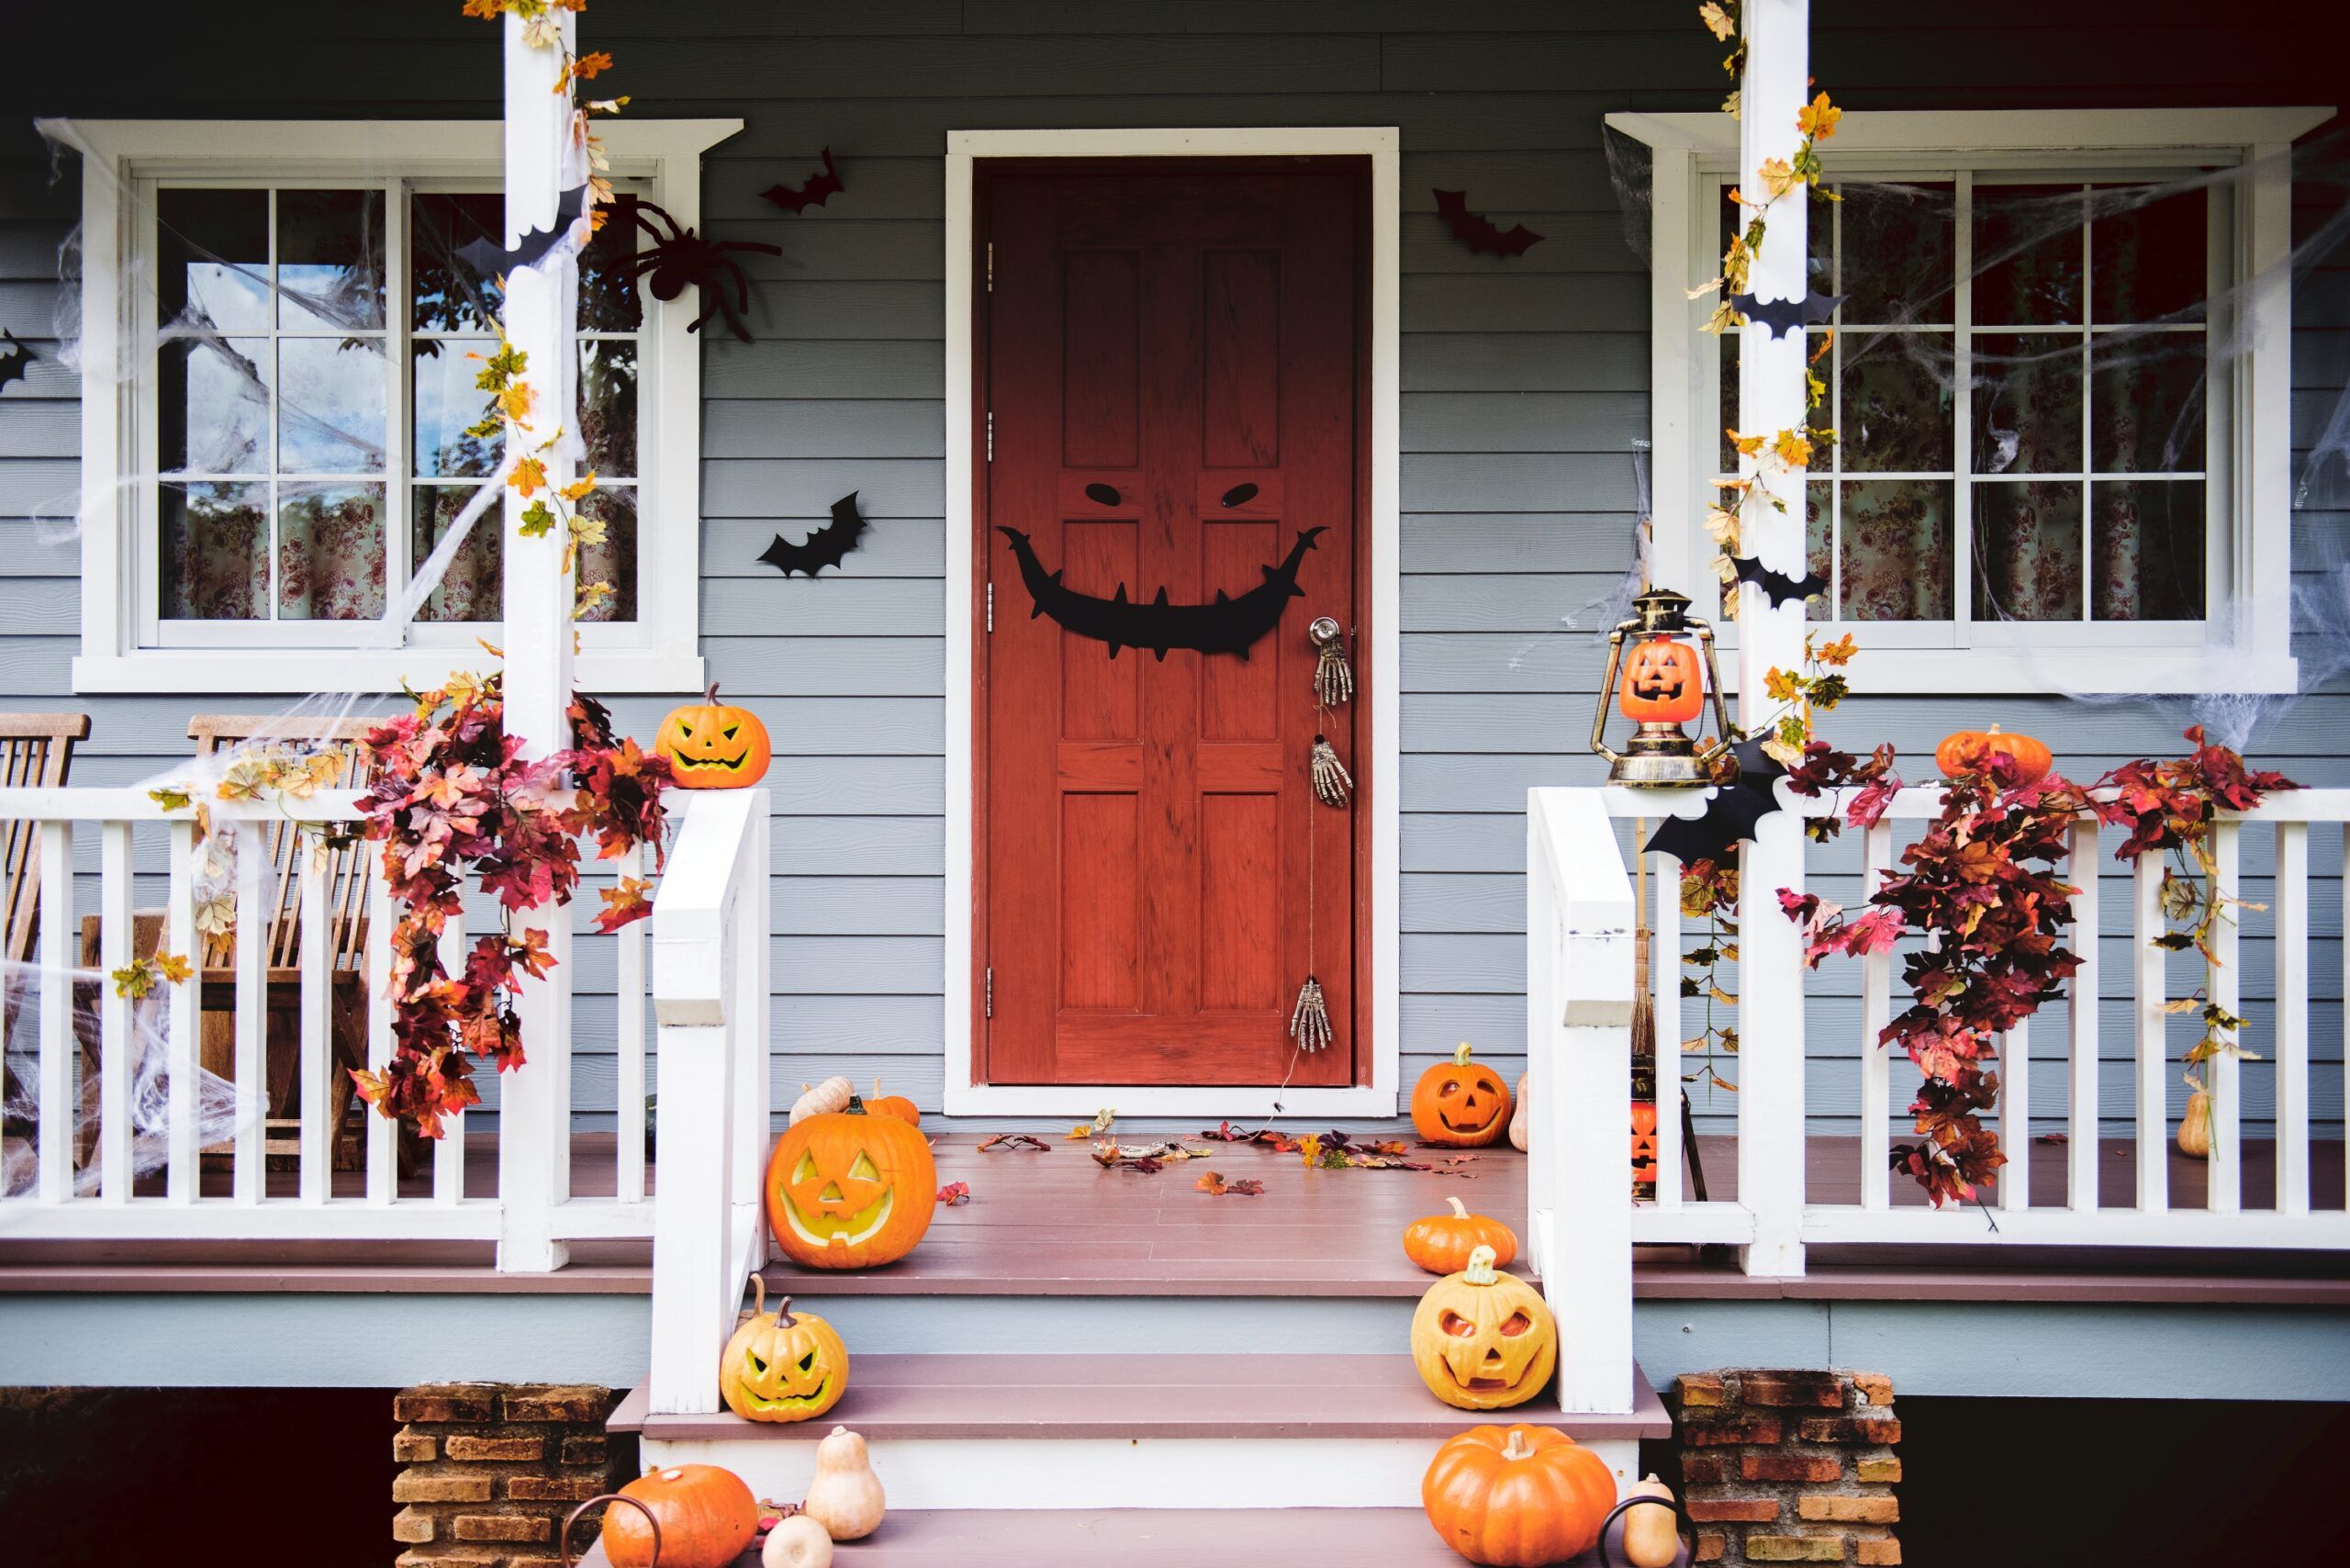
[73, 1035]
[709, 997]
[1579, 914]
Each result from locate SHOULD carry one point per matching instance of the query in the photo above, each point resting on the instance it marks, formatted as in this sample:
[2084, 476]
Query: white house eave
[1710, 133]
[410, 144]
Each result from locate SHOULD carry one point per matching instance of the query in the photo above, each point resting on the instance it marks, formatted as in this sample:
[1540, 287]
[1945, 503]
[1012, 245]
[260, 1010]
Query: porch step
[917, 1538]
[1031, 1431]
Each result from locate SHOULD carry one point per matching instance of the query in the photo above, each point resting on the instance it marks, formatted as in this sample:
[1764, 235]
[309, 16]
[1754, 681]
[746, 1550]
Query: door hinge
[990, 995]
[990, 606]
[990, 266]
[991, 435]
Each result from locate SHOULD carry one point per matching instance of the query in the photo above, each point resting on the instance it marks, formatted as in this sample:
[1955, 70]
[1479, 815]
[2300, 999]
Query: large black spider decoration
[681, 256]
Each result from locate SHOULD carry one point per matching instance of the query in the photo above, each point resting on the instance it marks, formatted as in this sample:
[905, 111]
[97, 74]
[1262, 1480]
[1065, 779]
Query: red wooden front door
[1173, 355]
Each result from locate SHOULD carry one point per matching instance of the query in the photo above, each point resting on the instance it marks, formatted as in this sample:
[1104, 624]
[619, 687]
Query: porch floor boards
[1055, 1223]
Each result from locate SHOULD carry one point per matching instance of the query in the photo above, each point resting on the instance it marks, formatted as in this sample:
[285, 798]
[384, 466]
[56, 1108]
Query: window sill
[296, 671]
[2071, 672]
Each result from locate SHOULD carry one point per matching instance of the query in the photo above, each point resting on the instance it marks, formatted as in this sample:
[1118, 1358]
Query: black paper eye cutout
[1106, 494]
[1240, 495]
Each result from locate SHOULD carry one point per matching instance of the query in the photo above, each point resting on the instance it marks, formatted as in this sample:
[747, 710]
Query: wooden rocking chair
[36, 752]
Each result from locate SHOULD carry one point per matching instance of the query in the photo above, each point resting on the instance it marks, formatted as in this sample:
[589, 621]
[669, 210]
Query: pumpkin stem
[1460, 1054]
[1517, 1447]
[1459, 1209]
[783, 1318]
[709, 698]
[856, 1107]
[759, 1297]
[1480, 1271]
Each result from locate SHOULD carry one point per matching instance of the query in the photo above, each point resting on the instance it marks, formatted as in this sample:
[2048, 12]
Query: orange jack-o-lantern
[713, 746]
[1483, 1340]
[1664, 683]
[1461, 1102]
[849, 1191]
[1644, 1142]
[782, 1365]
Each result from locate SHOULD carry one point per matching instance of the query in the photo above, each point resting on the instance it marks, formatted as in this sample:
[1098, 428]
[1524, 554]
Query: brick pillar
[1789, 1466]
[491, 1468]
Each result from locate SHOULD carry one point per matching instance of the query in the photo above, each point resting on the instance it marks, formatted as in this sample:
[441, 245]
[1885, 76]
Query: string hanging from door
[1334, 682]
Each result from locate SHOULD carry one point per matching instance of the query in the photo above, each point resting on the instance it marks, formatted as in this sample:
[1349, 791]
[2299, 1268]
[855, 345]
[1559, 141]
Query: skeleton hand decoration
[1334, 681]
[1309, 1021]
[1333, 785]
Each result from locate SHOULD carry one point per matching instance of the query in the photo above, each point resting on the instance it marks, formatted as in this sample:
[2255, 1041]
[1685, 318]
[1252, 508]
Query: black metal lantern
[1660, 671]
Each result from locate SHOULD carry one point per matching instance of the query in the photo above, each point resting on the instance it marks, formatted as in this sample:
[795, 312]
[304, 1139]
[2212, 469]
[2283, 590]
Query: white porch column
[535, 1107]
[1770, 399]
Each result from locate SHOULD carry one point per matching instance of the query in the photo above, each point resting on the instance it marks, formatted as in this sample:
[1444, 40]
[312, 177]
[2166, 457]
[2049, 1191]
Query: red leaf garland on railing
[451, 793]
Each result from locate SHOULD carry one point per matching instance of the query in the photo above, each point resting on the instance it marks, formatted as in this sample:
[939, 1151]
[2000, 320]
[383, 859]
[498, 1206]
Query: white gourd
[833, 1094]
[846, 1496]
[1651, 1536]
[797, 1543]
[1517, 1116]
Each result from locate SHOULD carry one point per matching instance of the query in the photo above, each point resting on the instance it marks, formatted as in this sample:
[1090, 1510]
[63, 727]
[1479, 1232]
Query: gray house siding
[1523, 386]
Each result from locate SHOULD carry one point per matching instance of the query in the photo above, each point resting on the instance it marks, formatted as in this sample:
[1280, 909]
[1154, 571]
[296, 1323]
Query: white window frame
[2247, 647]
[122, 161]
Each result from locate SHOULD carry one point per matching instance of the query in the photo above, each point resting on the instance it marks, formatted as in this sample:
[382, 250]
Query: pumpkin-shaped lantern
[1516, 1498]
[1483, 1340]
[713, 746]
[1644, 1145]
[1661, 681]
[1460, 1103]
[845, 1190]
[782, 1365]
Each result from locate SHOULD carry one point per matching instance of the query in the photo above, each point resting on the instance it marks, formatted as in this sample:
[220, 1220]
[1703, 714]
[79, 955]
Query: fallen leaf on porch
[1224, 1132]
[1105, 1119]
[955, 1194]
[1214, 1183]
[2052, 1137]
[1015, 1140]
[1144, 1157]
[1082, 1129]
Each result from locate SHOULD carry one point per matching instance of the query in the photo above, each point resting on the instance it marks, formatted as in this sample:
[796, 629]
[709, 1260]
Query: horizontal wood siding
[1524, 385]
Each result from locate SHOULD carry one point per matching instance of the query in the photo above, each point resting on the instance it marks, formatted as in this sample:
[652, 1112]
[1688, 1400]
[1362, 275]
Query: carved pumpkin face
[1462, 1104]
[849, 1191]
[783, 1366]
[1483, 1340]
[713, 746]
[1664, 682]
[1644, 1141]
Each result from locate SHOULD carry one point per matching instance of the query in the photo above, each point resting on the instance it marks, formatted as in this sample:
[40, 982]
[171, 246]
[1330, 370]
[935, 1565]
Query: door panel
[1172, 358]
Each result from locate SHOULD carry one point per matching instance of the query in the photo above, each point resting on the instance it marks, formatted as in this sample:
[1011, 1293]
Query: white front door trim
[1379, 768]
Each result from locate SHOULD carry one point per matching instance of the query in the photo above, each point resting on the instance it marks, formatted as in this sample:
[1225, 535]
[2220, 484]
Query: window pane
[2027, 403]
[1819, 545]
[2028, 254]
[2146, 550]
[2028, 551]
[2149, 257]
[1897, 263]
[212, 405]
[446, 403]
[1896, 402]
[330, 258]
[445, 293]
[608, 404]
[615, 560]
[607, 297]
[331, 553]
[1896, 539]
[215, 552]
[470, 589]
[2146, 402]
[213, 259]
[331, 414]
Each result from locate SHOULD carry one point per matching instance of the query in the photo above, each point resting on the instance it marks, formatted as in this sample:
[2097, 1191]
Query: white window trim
[1689, 148]
[658, 653]
[965, 1096]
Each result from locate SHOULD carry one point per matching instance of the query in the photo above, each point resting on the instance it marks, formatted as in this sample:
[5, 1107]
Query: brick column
[1789, 1466]
[491, 1468]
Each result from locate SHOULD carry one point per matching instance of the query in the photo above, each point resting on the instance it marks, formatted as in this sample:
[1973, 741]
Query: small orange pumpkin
[845, 1190]
[1460, 1103]
[714, 746]
[707, 1516]
[1664, 682]
[782, 1365]
[1516, 1498]
[1971, 750]
[1442, 1243]
[896, 1105]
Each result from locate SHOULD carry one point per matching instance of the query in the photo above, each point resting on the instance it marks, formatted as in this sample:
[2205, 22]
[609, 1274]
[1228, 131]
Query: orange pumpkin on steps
[896, 1105]
[707, 1518]
[845, 1190]
[1516, 1498]
[1971, 749]
[1460, 1103]
[713, 746]
[1442, 1244]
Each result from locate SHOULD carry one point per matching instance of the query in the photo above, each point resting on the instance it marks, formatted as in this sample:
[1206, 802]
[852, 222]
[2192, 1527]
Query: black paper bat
[1227, 626]
[14, 360]
[490, 258]
[822, 548]
[1729, 816]
[1477, 232]
[813, 192]
[1779, 317]
[1777, 587]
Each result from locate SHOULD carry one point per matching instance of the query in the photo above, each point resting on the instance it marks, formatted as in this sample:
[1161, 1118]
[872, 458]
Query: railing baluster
[317, 997]
[61, 956]
[2013, 1189]
[449, 1155]
[253, 1013]
[2148, 994]
[1876, 1011]
[2081, 1036]
[117, 1047]
[1664, 987]
[183, 1174]
[628, 1121]
[2292, 1046]
[2223, 1190]
[383, 1134]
